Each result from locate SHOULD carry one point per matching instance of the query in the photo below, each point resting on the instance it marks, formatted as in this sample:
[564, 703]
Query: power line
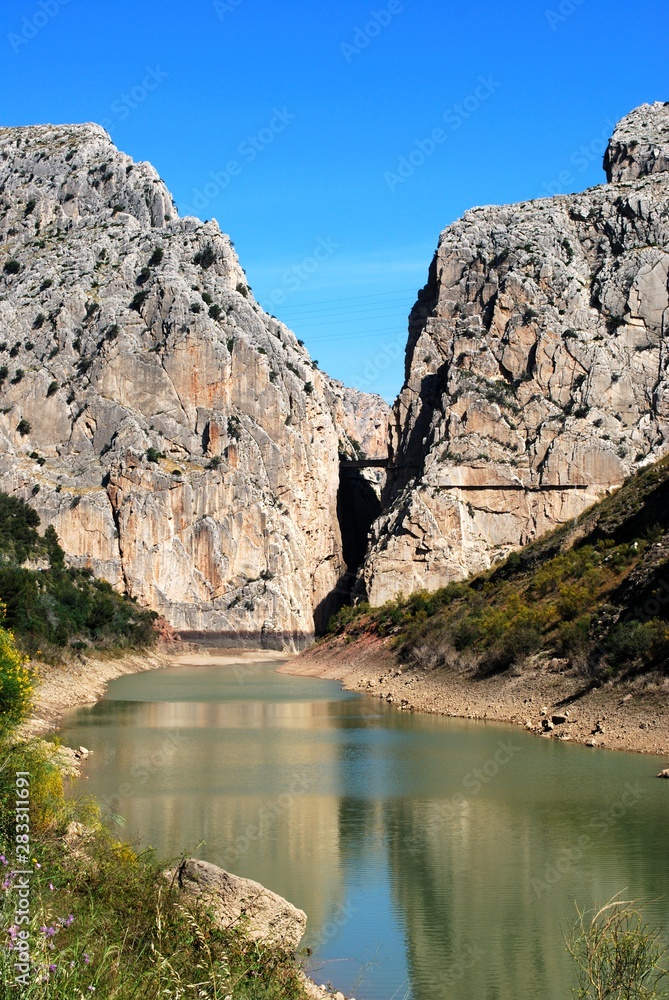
[361, 307]
[354, 336]
[341, 320]
[382, 308]
[374, 295]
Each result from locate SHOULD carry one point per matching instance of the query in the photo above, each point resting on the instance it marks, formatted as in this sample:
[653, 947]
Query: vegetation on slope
[51, 607]
[595, 592]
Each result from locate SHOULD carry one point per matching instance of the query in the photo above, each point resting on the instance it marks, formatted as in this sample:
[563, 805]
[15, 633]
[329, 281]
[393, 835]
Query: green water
[435, 858]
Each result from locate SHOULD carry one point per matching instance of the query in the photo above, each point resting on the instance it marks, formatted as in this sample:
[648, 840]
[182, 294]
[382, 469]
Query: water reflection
[435, 858]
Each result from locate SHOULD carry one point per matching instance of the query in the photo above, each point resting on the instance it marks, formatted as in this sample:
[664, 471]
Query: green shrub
[573, 598]
[23, 427]
[143, 276]
[153, 455]
[16, 682]
[156, 257]
[644, 644]
[12, 267]
[522, 639]
[573, 637]
[215, 311]
[205, 257]
[346, 615]
[617, 956]
[138, 300]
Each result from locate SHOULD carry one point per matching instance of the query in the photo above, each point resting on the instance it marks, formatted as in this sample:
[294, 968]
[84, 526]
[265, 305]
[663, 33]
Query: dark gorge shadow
[358, 506]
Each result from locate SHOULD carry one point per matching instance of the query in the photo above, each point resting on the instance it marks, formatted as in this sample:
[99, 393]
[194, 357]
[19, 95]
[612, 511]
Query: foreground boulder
[241, 903]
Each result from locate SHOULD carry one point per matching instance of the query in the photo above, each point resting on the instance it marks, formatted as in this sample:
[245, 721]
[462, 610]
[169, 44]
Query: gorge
[186, 448]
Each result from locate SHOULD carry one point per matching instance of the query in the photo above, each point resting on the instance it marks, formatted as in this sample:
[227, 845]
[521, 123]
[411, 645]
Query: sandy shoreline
[631, 716]
[82, 682]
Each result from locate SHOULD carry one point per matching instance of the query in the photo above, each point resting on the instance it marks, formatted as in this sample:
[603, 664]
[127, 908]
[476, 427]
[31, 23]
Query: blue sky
[334, 142]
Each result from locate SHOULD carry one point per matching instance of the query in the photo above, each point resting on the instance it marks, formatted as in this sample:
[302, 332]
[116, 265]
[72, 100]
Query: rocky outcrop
[639, 145]
[241, 903]
[362, 420]
[181, 441]
[536, 370]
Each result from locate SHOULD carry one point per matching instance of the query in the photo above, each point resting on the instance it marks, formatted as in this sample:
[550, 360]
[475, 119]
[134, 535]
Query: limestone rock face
[182, 442]
[536, 370]
[640, 144]
[362, 419]
[241, 903]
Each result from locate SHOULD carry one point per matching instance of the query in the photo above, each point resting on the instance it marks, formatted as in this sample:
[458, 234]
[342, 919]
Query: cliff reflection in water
[487, 887]
[435, 858]
[183, 773]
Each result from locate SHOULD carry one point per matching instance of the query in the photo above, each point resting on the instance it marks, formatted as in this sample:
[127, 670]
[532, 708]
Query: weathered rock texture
[536, 361]
[181, 441]
[241, 903]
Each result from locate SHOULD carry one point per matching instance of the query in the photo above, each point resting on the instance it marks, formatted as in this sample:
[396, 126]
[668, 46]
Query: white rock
[124, 350]
[236, 901]
[543, 322]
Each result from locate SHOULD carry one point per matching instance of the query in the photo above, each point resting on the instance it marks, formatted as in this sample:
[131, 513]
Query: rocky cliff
[181, 441]
[536, 369]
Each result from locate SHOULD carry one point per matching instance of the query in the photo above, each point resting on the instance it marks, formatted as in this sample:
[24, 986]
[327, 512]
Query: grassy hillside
[595, 593]
[51, 608]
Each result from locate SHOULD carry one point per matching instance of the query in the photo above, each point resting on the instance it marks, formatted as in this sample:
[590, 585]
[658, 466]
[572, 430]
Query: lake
[435, 858]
